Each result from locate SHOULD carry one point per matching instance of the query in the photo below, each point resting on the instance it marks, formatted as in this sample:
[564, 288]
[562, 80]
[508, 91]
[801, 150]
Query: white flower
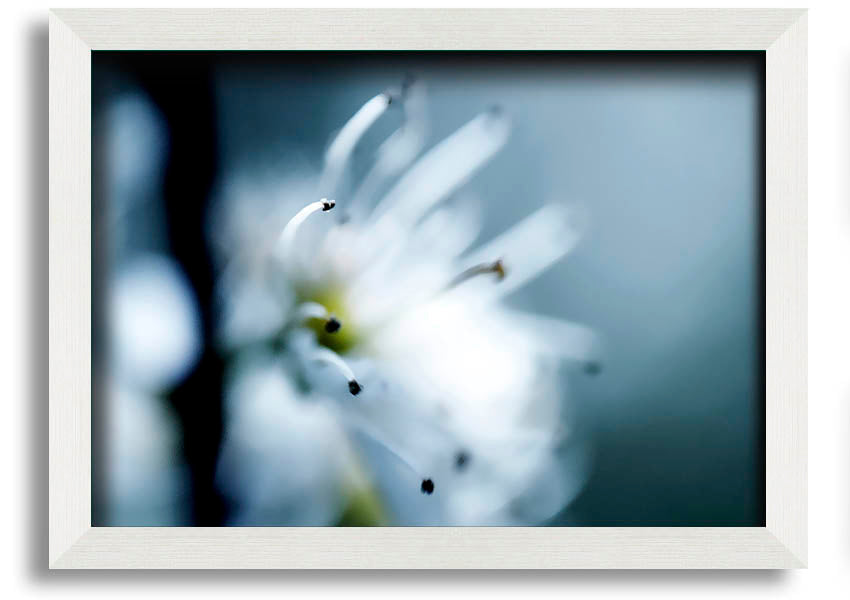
[379, 365]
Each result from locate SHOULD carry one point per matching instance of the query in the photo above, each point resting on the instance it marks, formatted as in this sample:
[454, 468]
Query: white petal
[385, 293]
[557, 337]
[556, 482]
[339, 151]
[283, 456]
[418, 266]
[456, 350]
[508, 463]
[529, 247]
[448, 231]
[396, 152]
[442, 170]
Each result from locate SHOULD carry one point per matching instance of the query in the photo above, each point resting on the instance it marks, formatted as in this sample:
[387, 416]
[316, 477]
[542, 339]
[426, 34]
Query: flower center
[338, 333]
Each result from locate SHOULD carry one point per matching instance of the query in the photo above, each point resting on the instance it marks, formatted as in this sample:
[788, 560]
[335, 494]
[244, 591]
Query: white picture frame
[74, 543]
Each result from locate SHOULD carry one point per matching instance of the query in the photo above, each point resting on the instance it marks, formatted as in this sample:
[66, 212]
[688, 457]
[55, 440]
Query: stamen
[340, 149]
[330, 357]
[497, 267]
[314, 310]
[369, 431]
[287, 237]
[332, 325]
[532, 245]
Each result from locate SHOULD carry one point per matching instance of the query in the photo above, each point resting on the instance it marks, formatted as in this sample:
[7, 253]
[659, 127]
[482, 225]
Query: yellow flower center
[331, 297]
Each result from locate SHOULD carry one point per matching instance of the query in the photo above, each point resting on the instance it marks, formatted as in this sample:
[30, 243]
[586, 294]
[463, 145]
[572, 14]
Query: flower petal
[396, 152]
[283, 456]
[557, 337]
[529, 247]
[340, 149]
[442, 170]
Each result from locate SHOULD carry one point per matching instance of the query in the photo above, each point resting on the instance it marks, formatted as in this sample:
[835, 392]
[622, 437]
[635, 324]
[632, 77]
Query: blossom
[378, 369]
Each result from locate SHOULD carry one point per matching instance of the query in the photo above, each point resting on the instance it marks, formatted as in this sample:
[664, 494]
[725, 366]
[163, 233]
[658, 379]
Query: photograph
[443, 288]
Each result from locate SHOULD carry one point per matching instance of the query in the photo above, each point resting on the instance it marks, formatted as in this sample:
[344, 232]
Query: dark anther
[332, 325]
[461, 460]
[354, 387]
[498, 268]
[427, 487]
[328, 204]
[592, 368]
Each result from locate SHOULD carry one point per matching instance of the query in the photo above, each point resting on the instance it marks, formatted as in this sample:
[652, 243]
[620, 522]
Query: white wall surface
[23, 252]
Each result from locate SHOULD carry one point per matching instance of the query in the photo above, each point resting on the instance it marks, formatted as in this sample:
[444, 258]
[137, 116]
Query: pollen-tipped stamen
[332, 325]
[496, 267]
[533, 245]
[287, 236]
[330, 357]
[427, 484]
[307, 311]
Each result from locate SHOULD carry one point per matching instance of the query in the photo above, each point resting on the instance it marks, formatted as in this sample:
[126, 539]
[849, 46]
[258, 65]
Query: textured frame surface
[74, 543]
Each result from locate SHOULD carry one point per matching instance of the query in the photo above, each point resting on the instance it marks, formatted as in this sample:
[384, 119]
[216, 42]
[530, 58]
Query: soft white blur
[153, 317]
[153, 332]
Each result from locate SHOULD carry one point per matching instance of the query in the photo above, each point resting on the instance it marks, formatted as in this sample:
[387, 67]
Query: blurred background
[663, 151]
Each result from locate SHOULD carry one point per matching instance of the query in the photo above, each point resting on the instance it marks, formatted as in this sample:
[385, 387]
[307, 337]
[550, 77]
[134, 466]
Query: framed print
[445, 289]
